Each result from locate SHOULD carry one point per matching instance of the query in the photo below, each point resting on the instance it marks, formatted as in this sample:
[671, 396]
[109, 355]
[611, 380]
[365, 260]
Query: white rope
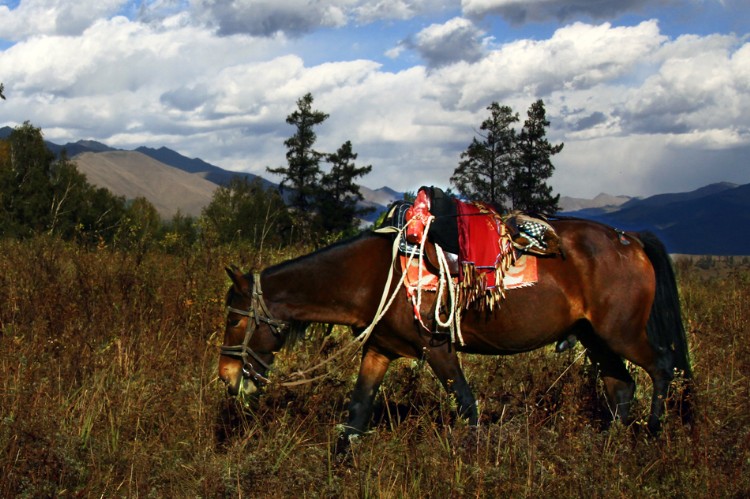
[421, 266]
[454, 317]
[383, 307]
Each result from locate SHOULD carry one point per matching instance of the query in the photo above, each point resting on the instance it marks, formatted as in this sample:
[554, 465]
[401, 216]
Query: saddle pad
[521, 274]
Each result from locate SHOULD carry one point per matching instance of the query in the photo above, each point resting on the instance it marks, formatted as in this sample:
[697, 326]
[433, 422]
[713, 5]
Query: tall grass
[108, 387]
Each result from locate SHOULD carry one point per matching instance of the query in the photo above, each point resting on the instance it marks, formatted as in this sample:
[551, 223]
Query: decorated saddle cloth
[494, 253]
[487, 260]
[485, 254]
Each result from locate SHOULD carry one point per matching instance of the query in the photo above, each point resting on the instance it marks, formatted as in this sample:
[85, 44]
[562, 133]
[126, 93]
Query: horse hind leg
[619, 386]
[658, 363]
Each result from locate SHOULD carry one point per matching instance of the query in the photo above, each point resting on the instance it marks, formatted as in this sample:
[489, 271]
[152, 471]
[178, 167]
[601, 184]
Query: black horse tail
[665, 329]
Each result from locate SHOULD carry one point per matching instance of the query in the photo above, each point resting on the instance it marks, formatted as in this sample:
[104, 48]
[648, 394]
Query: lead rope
[383, 307]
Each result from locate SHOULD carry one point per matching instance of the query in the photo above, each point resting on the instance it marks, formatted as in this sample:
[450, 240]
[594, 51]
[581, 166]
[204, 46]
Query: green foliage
[245, 211]
[140, 227]
[39, 194]
[486, 166]
[180, 233]
[25, 184]
[507, 168]
[324, 204]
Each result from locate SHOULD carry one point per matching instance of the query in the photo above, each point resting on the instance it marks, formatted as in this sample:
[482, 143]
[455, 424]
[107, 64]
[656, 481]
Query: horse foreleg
[447, 368]
[371, 373]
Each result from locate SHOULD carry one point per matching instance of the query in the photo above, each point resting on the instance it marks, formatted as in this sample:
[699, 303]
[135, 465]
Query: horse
[614, 291]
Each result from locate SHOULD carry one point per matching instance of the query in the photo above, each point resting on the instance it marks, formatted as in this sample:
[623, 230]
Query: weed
[108, 387]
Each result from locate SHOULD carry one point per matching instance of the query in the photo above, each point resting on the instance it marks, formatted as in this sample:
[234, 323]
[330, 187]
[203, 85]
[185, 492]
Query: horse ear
[237, 277]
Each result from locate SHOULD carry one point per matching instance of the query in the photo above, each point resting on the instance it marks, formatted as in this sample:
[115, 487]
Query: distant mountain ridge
[710, 220]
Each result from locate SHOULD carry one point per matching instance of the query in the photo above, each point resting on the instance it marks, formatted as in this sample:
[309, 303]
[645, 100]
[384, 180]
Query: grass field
[108, 387]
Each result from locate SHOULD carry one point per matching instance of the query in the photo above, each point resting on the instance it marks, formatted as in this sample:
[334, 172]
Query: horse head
[251, 336]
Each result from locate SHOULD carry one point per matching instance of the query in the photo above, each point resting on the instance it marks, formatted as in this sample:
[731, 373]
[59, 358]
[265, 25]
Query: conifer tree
[528, 188]
[303, 162]
[486, 166]
[339, 194]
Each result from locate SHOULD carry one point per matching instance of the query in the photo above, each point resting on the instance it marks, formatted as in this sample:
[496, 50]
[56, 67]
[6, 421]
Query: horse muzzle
[240, 382]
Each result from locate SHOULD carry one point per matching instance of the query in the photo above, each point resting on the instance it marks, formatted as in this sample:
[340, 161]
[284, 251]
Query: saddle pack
[480, 246]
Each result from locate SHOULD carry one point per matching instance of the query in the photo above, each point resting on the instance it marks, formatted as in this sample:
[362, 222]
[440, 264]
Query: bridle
[257, 314]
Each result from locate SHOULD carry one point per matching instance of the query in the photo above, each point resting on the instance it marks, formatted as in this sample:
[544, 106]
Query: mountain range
[711, 220]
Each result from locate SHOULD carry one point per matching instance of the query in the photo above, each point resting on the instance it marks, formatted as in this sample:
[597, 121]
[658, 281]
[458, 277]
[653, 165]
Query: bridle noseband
[257, 314]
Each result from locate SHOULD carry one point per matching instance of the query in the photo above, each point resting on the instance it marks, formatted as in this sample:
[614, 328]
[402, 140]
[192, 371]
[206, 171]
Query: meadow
[109, 388]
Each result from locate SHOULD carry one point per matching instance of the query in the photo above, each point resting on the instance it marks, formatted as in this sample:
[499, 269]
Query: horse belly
[527, 319]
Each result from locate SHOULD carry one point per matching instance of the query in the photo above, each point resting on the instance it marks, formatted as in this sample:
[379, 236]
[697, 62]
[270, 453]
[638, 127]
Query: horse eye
[234, 323]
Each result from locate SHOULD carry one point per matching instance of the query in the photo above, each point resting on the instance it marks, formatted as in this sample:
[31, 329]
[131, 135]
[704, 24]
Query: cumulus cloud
[698, 86]
[442, 44]
[635, 108]
[53, 17]
[270, 17]
[578, 56]
[522, 11]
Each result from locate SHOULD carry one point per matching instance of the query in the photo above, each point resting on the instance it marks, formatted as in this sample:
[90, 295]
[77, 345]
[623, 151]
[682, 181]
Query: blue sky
[648, 96]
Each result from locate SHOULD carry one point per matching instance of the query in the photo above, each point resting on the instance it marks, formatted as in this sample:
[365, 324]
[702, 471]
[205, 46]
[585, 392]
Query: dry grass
[108, 388]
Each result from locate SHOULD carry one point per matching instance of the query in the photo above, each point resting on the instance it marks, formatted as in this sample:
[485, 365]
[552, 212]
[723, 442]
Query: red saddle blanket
[521, 274]
[485, 257]
[485, 254]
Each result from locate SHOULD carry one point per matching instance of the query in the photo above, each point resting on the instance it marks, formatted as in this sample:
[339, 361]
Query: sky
[648, 96]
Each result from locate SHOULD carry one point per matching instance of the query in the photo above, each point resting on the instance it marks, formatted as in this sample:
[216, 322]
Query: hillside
[132, 174]
[602, 203]
[710, 220]
[199, 167]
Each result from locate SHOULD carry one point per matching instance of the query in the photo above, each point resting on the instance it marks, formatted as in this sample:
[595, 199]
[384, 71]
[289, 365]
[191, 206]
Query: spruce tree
[302, 172]
[528, 188]
[484, 171]
[339, 195]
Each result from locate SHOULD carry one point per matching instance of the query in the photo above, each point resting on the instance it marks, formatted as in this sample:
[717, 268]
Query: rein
[258, 313]
[359, 341]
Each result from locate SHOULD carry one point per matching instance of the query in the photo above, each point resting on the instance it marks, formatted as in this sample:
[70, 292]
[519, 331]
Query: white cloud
[456, 40]
[578, 56]
[53, 17]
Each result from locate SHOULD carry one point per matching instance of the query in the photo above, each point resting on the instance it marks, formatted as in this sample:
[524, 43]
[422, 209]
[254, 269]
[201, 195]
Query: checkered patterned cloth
[534, 232]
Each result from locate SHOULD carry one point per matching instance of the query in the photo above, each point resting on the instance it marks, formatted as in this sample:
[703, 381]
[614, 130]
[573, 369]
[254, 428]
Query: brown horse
[616, 292]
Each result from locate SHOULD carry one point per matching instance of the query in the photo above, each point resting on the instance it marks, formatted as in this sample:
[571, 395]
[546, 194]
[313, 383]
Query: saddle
[530, 234]
[396, 217]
